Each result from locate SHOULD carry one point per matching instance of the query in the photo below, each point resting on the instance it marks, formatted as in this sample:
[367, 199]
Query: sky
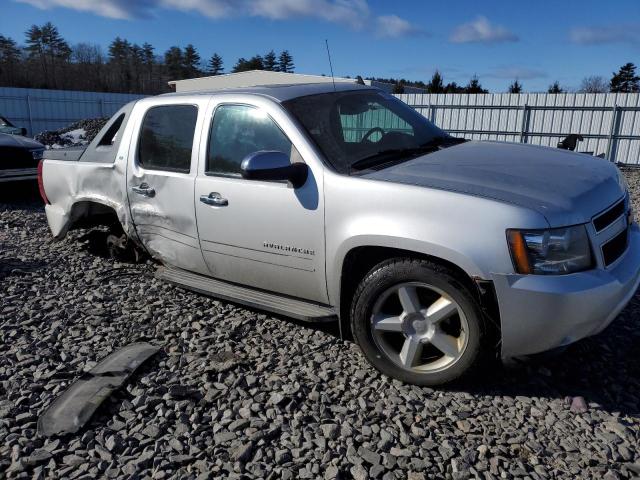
[537, 42]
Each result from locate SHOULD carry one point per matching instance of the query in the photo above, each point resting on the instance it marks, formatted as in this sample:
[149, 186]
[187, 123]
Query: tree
[46, 46]
[398, 88]
[594, 84]
[119, 53]
[555, 88]
[285, 62]
[215, 66]
[515, 87]
[474, 86]
[174, 63]
[191, 59]
[436, 85]
[244, 65]
[10, 61]
[626, 80]
[270, 62]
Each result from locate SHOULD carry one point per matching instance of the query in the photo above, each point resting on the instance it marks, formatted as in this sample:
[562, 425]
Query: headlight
[550, 252]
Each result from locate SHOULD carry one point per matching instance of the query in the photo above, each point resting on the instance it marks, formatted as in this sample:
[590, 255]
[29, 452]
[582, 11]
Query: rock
[578, 405]
[38, 457]
[330, 430]
[242, 452]
[151, 431]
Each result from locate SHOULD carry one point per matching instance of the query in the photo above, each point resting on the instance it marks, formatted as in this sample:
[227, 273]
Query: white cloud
[392, 26]
[350, 12]
[353, 13]
[120, 9]
[597, 35]
[482, 31]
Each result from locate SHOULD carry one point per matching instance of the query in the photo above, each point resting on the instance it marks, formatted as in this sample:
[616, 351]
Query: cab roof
[280, 92]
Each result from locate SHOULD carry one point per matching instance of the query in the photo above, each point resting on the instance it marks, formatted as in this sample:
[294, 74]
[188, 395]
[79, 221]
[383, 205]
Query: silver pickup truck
[325, 202]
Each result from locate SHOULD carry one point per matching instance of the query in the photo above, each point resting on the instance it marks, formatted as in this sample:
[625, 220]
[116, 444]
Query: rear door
[160, 180]
[264, 234]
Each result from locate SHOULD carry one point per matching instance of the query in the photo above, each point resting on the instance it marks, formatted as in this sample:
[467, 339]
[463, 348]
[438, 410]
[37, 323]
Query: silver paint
[455, 205]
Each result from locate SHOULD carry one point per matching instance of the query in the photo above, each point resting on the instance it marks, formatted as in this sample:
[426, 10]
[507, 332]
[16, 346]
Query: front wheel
[416, 322]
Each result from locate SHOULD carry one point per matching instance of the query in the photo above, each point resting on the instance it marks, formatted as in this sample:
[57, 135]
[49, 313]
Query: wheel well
[92, 214]
[361, 260]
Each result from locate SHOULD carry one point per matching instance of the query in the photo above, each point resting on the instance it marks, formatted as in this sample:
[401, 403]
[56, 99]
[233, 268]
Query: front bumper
[542, 312]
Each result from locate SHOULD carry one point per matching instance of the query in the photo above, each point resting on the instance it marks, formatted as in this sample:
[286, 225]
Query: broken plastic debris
[71, 410]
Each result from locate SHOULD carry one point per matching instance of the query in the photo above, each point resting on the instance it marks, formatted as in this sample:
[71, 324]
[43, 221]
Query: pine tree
[626, 80]
[46, 46]
[191, 61]
[10, 61]
[515, 87]
[474, 86]
[148, 58]
[555, 88]
[174, 63]
[215, 66]
[243, 65]
[436, 85]
[285, 62]
[119, 53]
[270, 62]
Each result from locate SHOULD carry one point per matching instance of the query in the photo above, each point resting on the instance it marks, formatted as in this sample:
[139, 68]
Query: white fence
[39, 110]
[608, 122]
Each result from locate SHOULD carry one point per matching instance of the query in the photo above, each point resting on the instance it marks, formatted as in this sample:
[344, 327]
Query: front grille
[615, 247]
[605, 219]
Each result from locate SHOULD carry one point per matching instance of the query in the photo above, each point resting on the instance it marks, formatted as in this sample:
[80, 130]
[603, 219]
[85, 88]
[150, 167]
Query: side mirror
[23, 132]
[273, 165]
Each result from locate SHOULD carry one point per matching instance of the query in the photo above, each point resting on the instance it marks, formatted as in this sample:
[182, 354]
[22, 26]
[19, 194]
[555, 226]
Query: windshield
[355, 126]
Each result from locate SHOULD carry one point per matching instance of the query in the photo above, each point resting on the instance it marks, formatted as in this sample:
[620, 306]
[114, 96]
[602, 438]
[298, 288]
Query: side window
[237, 131]
[355, 125]
[109, 137]
[166, 138]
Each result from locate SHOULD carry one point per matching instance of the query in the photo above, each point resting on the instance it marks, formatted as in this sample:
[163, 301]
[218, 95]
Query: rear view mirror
[272, 165]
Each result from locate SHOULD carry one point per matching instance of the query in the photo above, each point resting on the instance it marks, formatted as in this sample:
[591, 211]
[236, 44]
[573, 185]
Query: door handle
[215, 199]
[144, 189]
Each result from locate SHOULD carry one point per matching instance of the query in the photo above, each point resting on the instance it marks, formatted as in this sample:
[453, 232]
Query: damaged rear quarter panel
[71, 186]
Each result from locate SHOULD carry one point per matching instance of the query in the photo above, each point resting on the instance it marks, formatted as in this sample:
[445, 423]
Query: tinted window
[166, 138]
[237, 131]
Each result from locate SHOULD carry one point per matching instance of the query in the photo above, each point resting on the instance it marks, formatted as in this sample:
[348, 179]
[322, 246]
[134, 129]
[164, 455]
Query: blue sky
[538, 42]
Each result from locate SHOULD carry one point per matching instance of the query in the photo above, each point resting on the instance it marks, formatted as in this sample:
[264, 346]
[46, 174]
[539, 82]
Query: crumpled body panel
[70, 411]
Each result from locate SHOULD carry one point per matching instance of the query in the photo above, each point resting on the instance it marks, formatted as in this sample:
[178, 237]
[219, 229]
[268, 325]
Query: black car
[19, 157]
[7, 127]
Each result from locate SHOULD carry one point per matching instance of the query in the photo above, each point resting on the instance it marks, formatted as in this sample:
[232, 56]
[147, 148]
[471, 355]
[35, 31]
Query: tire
[416, 322]
[120, 247]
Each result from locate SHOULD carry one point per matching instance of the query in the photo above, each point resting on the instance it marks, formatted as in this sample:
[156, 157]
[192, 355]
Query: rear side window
[166, 138]
[237, 131]
[109, 138]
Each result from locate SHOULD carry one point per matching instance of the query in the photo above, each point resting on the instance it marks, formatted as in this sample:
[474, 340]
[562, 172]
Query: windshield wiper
[407, 153]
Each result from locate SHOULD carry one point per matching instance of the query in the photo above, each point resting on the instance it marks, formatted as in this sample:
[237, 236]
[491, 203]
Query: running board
[259, 299]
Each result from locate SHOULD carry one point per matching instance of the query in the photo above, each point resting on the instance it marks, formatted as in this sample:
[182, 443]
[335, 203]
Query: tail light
[43, 194]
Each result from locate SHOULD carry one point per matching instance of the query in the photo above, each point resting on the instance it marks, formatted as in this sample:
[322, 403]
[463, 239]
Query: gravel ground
[235, 393]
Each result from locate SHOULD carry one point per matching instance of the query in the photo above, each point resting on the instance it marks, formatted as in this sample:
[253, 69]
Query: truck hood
[566, 187]
[7, 140]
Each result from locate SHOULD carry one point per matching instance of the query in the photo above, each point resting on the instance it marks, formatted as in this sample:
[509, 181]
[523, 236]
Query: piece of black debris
[71, 410]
